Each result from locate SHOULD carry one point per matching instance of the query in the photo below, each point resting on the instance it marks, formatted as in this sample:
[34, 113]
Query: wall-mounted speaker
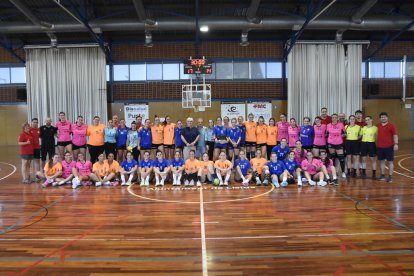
[21, 94]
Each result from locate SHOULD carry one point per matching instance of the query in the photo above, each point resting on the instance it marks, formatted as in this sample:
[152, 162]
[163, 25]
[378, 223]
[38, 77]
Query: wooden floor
[361, 227]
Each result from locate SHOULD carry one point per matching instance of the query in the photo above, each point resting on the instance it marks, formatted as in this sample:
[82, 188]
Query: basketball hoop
[196, 96]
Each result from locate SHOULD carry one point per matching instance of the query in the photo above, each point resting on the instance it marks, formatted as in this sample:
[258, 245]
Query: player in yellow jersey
[369, 135]
[353, 135]
[223, 169]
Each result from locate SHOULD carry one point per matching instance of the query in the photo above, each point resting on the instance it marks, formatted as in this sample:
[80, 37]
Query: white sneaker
[162, 182]
[142, 182]
[128, 183]
[158, 184]
[312, 183]
[61, 182]
[147, 183]
[75, 183]
[124, 184]
[300, 184]
[304, 180]
[221, 184]
[226, 183]
[343, 175]
[191, 183]
[174, 182]
[198, 184]
[107, 183]
[321, 183]
[98, 184]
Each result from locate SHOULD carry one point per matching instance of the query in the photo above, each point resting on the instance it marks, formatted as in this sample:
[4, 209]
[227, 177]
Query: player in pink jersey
[329, 168]
[293, 133]
[313, 170]
[319, 140]
[79, 137]
[336, 132]
[282, 127]
[64, 128]
[68, 165]
[82, 172]
[300, 152]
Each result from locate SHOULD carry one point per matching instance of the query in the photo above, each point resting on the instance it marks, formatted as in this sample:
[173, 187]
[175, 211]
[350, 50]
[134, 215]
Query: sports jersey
[234, 134]
[223, 165]
[67, 168]
[369, 134]
[79, 134]
[243, 164]
[85, 168]
[258, 164]
[192, 165]
[328, 168]
[250, 131]
[145, 164]
[177, 135]
[335, 132]
[306, 135]
[220, 132]
[35, 132]
[361, 124]
[276, 168]
[299, 157]
[327, 120]
[291, 166]
[242, 134]
[294, 134]
[352, 132]
[281, 152]
[110, 135]
[132, 138]
[320, 135]
[64, 130]
[96, 135]
[308, 166]
[47, 135]
[282, 130]
[385, 135]
[26, 149]
[177, 163]
[113, 167]
[53, 170]
[261, 134]
[122, 134]
[271, 135]
[204, 165]
[102, 169]
[157, 134]
[128, 166]
[169, 134]
[160, 164]
[145, 136]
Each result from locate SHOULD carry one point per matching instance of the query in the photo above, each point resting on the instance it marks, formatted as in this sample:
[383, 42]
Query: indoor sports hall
[206, 137]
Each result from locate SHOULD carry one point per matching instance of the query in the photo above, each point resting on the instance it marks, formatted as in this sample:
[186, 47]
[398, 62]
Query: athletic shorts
[220, 146]
[336, 147]
[64, 144]
[191, 176]
[155, 146]
[230, 146]
[386, 153]
[26, 156]
[121, 147]
[36, 153]
[76, 147]
[353, 147]
[260, 145]
[368, 148]
[308, 148]
[179, 147]
[319, 147]
[168, 146]
[250, 144]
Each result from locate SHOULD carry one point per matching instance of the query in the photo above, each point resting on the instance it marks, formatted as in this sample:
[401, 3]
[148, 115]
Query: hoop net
[196, 96]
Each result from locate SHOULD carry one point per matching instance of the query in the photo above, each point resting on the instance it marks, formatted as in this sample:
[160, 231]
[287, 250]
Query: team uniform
[145, 164]
[177, 164]
[293, 135]
[276, 168]
[261, 135]
[67, 168]
[281, 152]
[250, 133]
[368, 141]
[122, 135]
[179, 144]
[271, 141]
[161, 165]
[242, 134]
[319, 140]
[307, 134]
[64, 131]
[113, 167]
[101, 169]
[84, 168]
[169, 136]
[79, 136]
[35, 132]
[191, 165]
[128, 166]
[51, 171]
[352, 139]
[335, 132]
[258, 164]
[96, 141]
[220, 132]
[145, 136]
[132, 136]
[310, 166]
[283, 131]
[110, 140]
[244, 166]
[234, 134]
[300, 155]
[157, 136]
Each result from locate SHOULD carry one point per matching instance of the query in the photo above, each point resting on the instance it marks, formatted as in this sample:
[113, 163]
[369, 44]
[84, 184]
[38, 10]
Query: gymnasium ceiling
[24, 22]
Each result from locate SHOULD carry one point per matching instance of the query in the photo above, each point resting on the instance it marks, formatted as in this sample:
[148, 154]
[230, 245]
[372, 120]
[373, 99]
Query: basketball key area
[361, 227]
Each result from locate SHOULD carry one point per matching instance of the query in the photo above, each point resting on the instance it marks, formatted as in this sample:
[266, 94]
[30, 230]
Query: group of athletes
[275, 153]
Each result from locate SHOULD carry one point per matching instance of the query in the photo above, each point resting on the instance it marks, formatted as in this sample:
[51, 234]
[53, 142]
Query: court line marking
[197, 202]
[404, 168]
[269, 256]
[34, 214]
[212, 238]
[14, 170]
[203, 235]
[373, 210]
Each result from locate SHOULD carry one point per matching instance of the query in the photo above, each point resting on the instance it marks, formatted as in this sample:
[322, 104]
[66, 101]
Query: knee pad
[341, 157]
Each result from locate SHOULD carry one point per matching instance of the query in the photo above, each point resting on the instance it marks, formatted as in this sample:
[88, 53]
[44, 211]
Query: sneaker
[174, 182]
[124, 184]
[265, 182]
[226, 183]
[300, 183]
[128, 183]
[54, 184]
[258, 182]
[245, 182]
[75, 183]
[115, 183]
[343, 175]
[45, 184]
[157, 183]
[274, 182]
[162, 182]
[61, 182]
[147, 183]
[329, 181]
[106, 183]
[389, 179]
[142, 183]
[312, 183]
[198, 184]
[284, 184]
[381, 178]
[304, 180]
[191, 183]
[186, 183]
[321, 183]
[98, 184]
[335, 182]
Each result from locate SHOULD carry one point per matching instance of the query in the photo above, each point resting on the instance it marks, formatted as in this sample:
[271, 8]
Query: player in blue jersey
[243, 169]
[281, 150]
[145, 168]
[179, 144]
[220, 139]
[128, 169]
[234, 139]
[293, 168]
[145, 137]
[121, 140]
[275, 169]
[177, 168]
[307, 133]
[161, 168]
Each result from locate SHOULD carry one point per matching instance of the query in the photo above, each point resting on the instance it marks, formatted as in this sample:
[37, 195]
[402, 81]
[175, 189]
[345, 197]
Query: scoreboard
[198, 66]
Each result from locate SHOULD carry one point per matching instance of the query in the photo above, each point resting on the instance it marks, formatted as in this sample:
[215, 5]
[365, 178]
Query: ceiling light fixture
[204, 29]
[244, 41]
[148, 39]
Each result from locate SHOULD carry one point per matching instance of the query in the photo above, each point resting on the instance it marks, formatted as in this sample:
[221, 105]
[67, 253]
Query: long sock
[179, 178]
[199, 178]
[122, 178]
[147, 178]
[227, 177]
[284, 179]
[267, 176]
[130, 178]
[220, 178]
[157, 178]
[175, 177]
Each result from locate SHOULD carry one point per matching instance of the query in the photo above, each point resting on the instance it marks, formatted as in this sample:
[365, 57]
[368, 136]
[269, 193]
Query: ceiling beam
[140, 11]
[28, 13]
[362, 10]
[252, 12]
